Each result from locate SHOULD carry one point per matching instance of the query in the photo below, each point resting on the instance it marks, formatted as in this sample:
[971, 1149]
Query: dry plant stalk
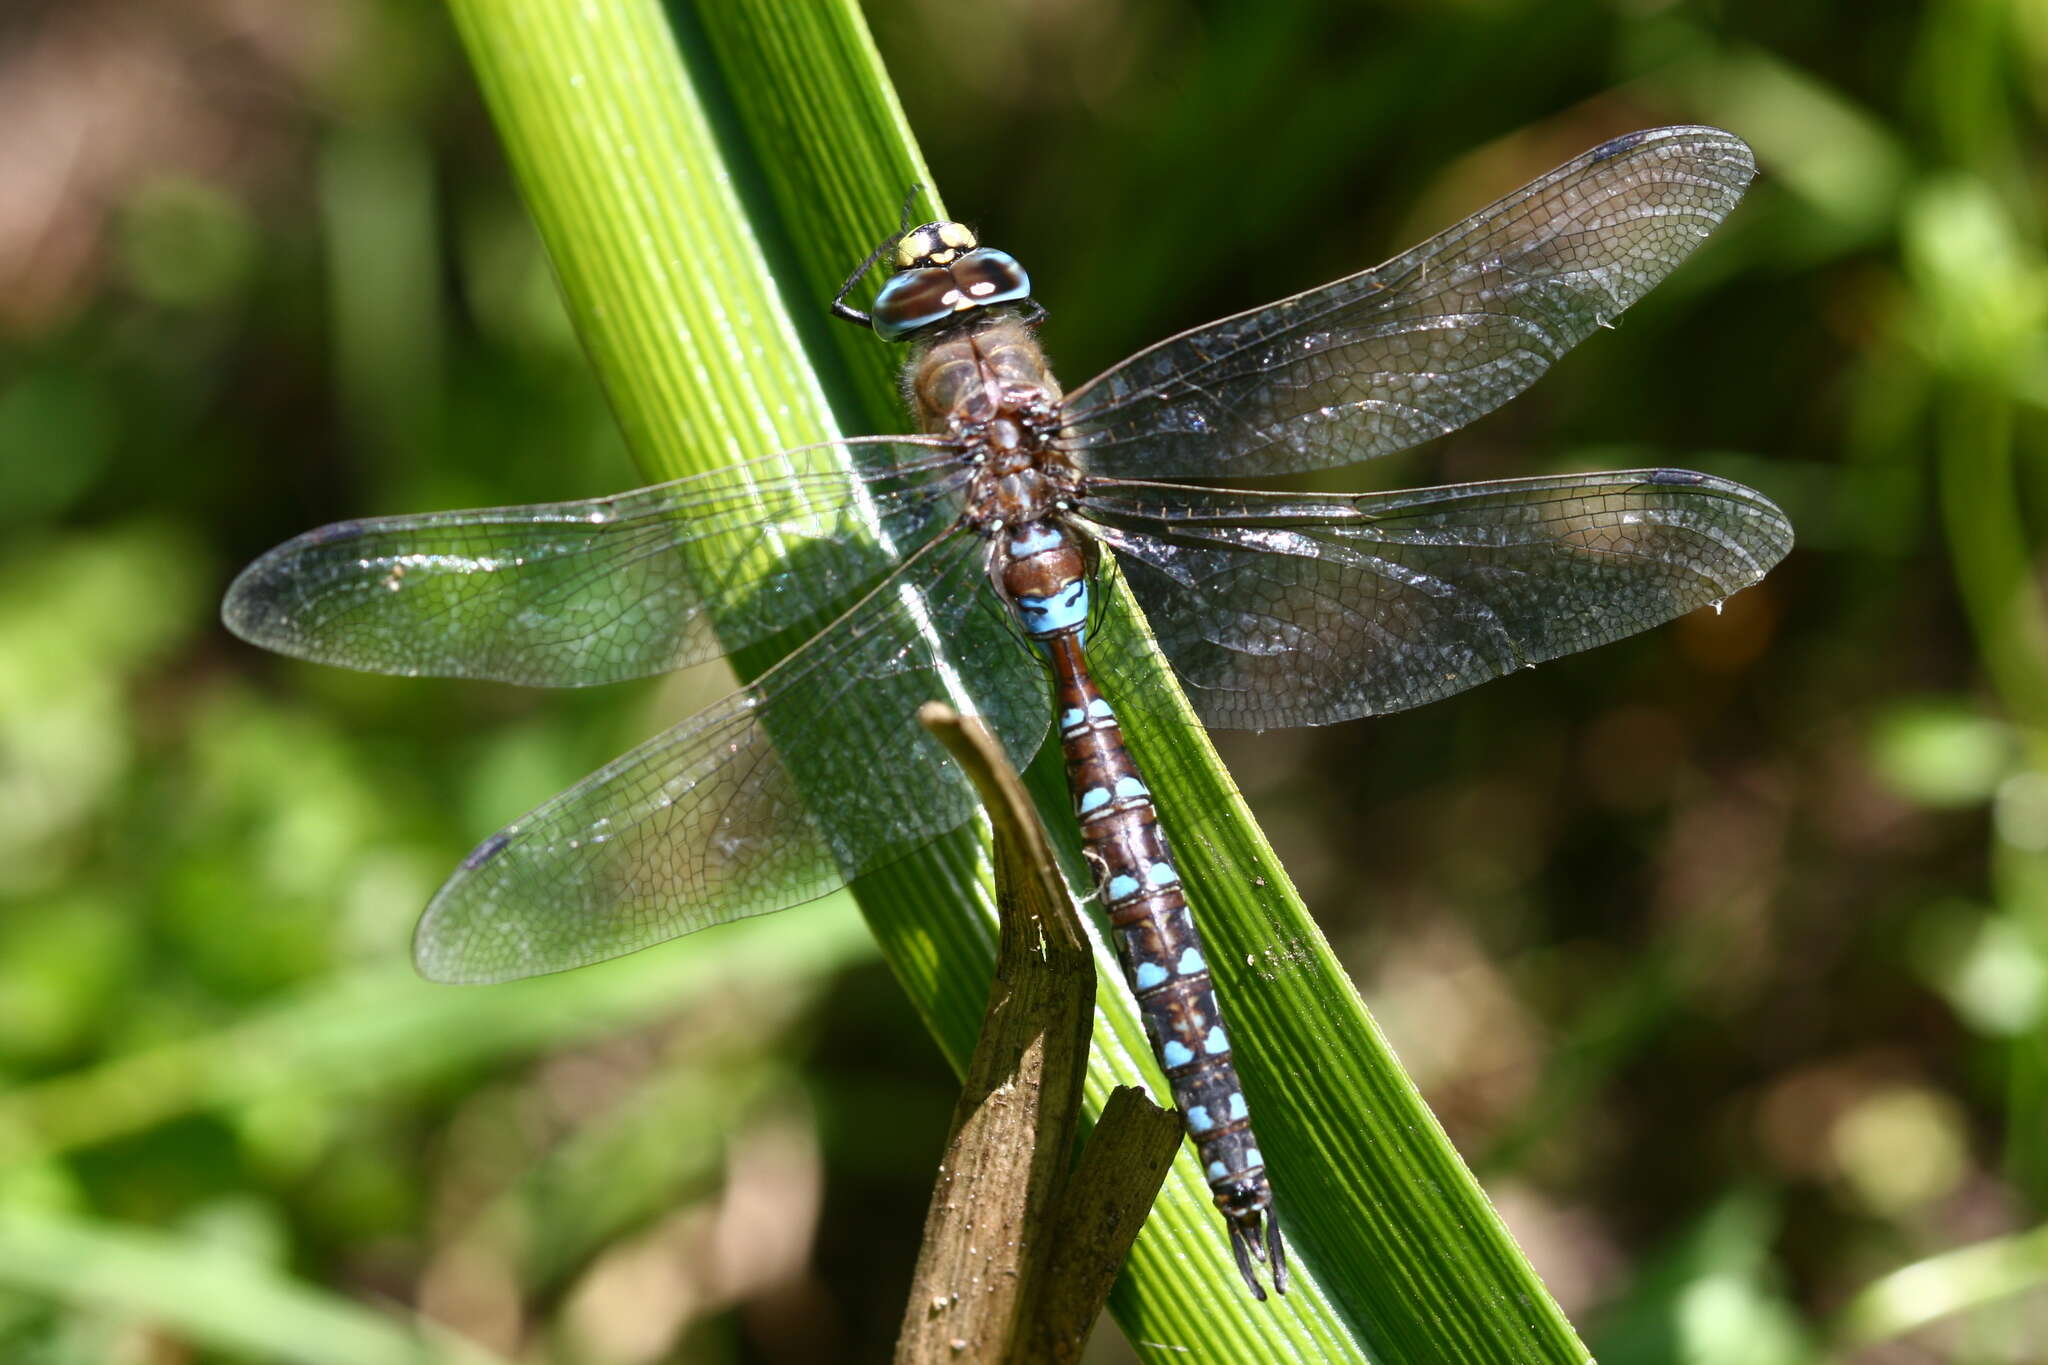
[1018, 1255]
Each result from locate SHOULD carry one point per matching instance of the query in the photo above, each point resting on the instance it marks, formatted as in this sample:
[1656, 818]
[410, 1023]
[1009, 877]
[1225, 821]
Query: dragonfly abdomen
[1044, 576]
[1162, 955]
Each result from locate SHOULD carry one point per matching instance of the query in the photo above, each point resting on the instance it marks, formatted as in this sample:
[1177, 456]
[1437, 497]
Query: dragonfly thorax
[1042, 571]
[987, 389]
[1021, 476]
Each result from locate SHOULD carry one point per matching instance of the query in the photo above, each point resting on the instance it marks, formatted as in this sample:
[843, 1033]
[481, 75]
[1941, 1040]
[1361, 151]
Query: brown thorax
[1021, 475]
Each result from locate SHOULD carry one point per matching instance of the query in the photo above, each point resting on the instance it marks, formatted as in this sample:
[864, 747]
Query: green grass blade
[1907, 1299]
[703, 186]
[205, 1294]
[364, 1032]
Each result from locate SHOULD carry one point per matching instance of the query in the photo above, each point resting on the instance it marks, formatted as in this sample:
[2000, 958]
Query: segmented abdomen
[1155, 934]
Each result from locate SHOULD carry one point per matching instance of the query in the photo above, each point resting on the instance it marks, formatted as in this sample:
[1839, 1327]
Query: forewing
[777, 794]
[1283, 609]
[1423, 344]
[573, 593]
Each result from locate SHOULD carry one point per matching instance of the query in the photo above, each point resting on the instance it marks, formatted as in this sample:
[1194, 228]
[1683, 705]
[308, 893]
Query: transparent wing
[777, 794]
[1417, 347]
[573, 593]
[1282, 609]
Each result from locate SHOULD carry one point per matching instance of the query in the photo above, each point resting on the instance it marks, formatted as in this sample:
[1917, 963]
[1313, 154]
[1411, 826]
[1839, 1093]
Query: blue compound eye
[912, 301]
[988, 276]
[921, 297]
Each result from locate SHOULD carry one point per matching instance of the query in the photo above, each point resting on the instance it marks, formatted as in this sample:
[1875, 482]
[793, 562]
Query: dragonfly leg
[840, 307]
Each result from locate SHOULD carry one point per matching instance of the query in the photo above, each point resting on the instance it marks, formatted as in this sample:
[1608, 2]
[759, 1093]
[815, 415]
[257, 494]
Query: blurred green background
[1722, 953]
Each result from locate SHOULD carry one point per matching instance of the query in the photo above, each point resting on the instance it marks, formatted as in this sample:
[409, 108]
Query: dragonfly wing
[572, 593]
[1282, 609]
[1419, 346]
[777, 794]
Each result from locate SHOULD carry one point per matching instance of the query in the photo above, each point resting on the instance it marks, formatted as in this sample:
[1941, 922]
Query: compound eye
[926, 296]
[987, 276]
[913, 300]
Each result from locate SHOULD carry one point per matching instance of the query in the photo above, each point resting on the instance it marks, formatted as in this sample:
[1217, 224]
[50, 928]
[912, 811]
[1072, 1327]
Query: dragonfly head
[943, 276]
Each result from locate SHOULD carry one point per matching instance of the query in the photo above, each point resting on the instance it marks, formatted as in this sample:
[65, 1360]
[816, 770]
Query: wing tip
[1730, 149]
[252, 608]
[1668, 132]
[445, 943]
[1775, 533]
[257, 604]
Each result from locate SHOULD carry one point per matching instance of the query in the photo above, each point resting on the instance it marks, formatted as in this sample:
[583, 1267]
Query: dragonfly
[892, 570]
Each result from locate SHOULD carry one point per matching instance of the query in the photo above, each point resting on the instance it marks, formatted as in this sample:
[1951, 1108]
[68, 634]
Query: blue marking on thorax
[1035, 538]
[1217, 1171]
[1063, 611]
[1254, 1157]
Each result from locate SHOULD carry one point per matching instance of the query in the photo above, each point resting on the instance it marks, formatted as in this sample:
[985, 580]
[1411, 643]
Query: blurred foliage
[1723, 953]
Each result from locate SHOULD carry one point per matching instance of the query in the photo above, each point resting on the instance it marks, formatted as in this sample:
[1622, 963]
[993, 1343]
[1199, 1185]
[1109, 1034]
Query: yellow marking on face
[933, 244]
[910, 250]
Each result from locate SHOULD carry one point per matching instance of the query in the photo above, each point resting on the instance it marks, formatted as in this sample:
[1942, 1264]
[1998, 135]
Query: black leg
[840, 308]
